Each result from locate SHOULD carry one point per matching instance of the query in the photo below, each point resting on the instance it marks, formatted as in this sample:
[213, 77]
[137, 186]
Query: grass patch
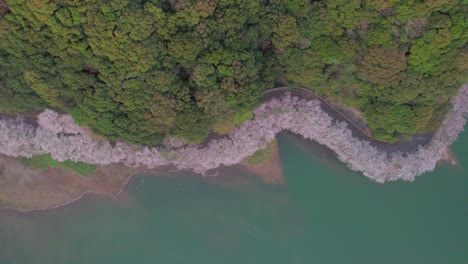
[226, 125]
[167, 154]
[45, 161]
[241, 118]
[261, 155]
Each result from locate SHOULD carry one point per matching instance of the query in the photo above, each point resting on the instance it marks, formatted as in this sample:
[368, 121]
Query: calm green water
[322, 214]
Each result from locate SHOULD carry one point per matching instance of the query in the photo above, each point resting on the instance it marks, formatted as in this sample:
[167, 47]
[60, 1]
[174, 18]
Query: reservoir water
[323, 213]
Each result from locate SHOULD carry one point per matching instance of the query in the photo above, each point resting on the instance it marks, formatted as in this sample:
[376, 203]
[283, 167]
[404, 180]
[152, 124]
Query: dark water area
[323, 213]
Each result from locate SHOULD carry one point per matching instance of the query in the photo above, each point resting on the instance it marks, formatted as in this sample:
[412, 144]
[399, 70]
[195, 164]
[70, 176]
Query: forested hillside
[140, 69]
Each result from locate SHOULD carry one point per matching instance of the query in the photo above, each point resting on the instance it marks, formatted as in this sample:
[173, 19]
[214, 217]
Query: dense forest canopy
[139, 70]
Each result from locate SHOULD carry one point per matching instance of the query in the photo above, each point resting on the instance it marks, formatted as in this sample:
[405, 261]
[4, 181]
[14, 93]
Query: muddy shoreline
[23, 189]
[35, 190]
[269, 171]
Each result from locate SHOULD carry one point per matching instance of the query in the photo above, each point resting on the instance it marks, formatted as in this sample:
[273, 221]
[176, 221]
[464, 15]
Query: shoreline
[81, 196]
[16, 193]
[269, 171]
[340, 131]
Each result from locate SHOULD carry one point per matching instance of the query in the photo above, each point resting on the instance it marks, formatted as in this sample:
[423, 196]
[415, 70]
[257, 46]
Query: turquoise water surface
[323, 213]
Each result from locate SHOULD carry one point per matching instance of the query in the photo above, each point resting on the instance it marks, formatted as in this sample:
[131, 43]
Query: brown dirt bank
[270, 170]
[26, 189]
[450, 160]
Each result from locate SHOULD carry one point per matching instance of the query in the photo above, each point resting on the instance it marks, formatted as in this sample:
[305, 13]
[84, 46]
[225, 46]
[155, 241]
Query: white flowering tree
[59, 136]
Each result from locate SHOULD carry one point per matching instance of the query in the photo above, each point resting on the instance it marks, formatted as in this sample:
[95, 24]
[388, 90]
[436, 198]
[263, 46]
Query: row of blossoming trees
[59, 136]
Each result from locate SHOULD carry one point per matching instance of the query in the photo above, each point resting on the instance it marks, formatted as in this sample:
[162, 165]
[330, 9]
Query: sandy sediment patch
[25, 189]
[270, 170]
[450, 159]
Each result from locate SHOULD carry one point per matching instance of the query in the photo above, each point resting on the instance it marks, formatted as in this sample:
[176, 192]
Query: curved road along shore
[302, 93]
[403, 146]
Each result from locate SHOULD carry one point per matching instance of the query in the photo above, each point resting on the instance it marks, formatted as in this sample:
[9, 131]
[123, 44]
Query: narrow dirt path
[302, 93]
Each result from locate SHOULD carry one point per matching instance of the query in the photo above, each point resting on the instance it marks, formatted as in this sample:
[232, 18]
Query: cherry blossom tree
[59, 136]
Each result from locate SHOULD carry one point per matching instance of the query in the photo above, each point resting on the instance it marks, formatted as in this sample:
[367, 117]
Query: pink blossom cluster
[19, 139]
[57, 123]
[59, 136]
